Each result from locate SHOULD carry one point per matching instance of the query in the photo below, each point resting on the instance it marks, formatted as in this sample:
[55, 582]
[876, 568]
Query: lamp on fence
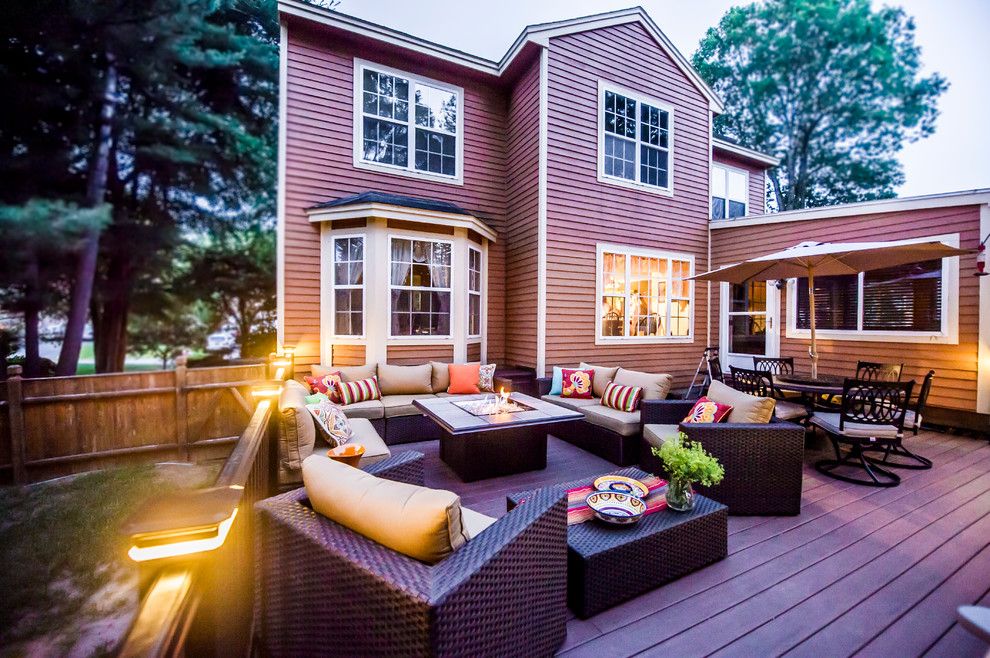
[286, 362]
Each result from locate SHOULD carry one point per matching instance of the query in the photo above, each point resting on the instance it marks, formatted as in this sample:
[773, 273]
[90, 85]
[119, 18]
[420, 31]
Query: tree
[168, 330]
[831, 87]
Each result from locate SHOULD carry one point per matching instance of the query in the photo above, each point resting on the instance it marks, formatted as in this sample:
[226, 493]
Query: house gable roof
[744, 152]
[392, 200]
[539, 34]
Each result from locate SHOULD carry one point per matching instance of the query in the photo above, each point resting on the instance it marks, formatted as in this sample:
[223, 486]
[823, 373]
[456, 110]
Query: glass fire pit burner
[492, 405]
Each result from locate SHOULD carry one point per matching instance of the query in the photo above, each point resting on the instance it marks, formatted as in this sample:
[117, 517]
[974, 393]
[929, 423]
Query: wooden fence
[60, 425]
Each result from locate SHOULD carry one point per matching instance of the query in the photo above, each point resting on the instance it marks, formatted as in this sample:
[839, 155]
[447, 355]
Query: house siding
[319, 166]
[583, 212]
[955, 366]
[757, 200]
[410, 355]
[474, 352]
[522, 222]
[348, 355]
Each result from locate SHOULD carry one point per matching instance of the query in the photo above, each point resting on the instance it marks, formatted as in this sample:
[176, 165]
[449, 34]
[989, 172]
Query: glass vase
[680, 496]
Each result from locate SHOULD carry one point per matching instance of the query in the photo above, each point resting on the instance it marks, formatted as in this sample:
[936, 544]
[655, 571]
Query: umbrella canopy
[828, 259]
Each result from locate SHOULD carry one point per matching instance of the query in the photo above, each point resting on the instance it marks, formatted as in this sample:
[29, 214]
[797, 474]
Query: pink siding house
[548, 208]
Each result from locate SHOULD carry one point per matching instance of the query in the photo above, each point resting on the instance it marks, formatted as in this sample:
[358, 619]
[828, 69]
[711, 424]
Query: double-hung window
[729, 192]
[643, 294]
[474, 293]
[635, 140]
[420, 288]
[348, 286]
[407, 124]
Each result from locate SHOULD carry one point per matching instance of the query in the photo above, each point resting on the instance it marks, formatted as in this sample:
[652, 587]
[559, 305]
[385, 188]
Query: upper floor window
[420, 287]
[407, 124]
[635, 141]
[348, 286]
[643, 294]
[729, 192]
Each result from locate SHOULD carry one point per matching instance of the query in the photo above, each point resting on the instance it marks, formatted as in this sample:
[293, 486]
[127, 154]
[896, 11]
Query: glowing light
[266, 392]
[188, 547]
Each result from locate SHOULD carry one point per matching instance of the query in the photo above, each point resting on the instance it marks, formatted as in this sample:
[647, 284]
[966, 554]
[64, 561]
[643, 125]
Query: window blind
[904, 298]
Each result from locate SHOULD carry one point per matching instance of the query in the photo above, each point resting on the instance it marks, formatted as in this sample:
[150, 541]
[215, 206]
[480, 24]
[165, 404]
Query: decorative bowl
[621, 484]
[349, 453]
[616, 508]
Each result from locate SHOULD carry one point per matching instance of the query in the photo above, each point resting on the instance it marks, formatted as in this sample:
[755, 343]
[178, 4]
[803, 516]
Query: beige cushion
[570, 403]
[440, 378]
[746, 408]
[405, 380]
[785, 410]
[357, 373]
[655, 434]
[297, 431]
[375, 450]
[319, 371]
[474, 522]
[368, 409]
[830, 423]
[655, 387]
[423, 523]
[402, 405]
[603, 375]
[625, 423]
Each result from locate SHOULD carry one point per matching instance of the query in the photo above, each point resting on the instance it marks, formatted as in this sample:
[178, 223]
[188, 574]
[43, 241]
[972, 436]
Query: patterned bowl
[621, 484]
[616, 508]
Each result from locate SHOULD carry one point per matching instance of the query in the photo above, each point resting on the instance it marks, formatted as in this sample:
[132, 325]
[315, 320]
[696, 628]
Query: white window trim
[711, 192]
[388, 265]
[332, 274]
[604, 86]
[627, 251]
[949, 335]
[410, 170]
[480, 293]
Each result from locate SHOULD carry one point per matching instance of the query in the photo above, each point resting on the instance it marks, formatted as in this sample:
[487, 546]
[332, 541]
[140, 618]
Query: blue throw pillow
[557, 383]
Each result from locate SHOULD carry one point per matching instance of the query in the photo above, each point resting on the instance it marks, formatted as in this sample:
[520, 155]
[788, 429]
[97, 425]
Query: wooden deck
[873, 572]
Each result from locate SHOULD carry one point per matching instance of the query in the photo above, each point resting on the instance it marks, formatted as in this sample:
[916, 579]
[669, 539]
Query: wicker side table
[607, 565]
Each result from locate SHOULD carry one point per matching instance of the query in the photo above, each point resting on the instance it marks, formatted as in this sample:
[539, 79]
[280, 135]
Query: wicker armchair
[325, 590]
[763, 463]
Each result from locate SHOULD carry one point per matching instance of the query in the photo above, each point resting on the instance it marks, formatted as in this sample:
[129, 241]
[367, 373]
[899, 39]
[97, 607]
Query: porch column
[377, 304]
[459, 295]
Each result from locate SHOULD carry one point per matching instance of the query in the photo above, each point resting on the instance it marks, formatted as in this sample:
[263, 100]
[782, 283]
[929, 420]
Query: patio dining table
[816, 391]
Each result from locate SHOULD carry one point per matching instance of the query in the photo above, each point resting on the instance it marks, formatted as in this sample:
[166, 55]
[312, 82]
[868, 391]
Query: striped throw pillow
[622, 398]
[359, 391]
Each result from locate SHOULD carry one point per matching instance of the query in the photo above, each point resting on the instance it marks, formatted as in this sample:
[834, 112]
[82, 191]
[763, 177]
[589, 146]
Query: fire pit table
[486, 436]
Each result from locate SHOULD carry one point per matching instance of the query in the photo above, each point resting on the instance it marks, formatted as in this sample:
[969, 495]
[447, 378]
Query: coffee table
[607, 565]
[479, 446]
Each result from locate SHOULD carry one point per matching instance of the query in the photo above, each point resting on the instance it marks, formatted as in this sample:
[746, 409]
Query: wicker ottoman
[607, 565]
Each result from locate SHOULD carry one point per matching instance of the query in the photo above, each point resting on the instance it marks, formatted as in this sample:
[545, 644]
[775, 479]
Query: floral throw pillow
[707, 411]
[331, 420]
[325, 384]
[576, 383]
[622, 398]
[486, 378]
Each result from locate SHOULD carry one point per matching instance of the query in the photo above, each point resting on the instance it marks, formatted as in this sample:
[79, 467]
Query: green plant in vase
[686, 463]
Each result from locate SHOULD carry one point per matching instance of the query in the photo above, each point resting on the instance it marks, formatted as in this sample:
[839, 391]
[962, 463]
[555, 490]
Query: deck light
[183, 546]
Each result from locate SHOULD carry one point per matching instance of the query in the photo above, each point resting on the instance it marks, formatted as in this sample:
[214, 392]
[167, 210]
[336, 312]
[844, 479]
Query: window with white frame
[474, 292]
[420, 287]
[407, 122]
[730, 189]
[348, 286]
[635, 140]
[643, 294]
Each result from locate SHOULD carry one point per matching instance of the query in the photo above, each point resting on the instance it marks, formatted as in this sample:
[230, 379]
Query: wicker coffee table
[607, 565]
[478, 445]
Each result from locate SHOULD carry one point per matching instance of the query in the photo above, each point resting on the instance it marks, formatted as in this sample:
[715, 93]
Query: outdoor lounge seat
[625, 423]
[402, 405]
[327, 590]
[571, 403]
[370, 409]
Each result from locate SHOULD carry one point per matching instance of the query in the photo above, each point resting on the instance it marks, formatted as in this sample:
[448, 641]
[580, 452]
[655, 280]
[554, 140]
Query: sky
[953, 35]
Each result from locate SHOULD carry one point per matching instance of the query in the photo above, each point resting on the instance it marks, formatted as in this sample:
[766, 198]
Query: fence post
[181, 415]
[15, 395]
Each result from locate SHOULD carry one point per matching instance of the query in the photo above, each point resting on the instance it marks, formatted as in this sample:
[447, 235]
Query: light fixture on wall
[981, 258]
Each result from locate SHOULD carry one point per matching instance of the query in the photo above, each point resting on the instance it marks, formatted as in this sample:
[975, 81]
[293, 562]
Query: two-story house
[546, 209]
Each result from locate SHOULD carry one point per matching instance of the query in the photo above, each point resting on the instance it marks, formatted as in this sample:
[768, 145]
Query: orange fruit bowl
[349, 453]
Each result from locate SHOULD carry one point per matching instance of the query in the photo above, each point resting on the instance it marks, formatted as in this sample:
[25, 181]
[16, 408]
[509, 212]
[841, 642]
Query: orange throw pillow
[463, 378]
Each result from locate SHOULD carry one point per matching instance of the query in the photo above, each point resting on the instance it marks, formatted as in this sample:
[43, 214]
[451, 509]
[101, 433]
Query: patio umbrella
[828, 259]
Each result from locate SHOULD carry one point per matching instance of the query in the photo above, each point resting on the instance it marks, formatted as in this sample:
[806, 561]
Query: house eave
[743, 152]
[401, 213]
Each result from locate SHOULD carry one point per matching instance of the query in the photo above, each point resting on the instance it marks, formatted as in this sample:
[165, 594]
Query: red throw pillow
[464, 378]
[360, 391]
[577, 384]
[622, 398]
[707, 411]
[327, 384]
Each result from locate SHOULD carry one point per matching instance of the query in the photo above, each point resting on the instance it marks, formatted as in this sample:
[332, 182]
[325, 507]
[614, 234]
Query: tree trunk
[82, 286]
[32, 311]
[115, 302]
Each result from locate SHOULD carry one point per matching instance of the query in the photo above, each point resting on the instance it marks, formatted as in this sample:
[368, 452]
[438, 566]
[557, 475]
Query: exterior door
[749, 324]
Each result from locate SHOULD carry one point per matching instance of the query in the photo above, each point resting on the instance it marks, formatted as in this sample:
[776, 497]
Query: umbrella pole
[813, 350]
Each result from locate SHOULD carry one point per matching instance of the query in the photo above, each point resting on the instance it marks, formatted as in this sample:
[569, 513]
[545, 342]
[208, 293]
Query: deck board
[903, 558]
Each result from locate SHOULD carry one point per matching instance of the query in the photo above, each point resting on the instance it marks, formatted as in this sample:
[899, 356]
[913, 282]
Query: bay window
[730, 191]
[474, 293]
[407, 123]
[643, 295]
[635, 140]
[348, 285]
[420, 287]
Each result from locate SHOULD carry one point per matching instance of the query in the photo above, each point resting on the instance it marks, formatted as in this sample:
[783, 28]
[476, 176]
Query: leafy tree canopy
[831, 87]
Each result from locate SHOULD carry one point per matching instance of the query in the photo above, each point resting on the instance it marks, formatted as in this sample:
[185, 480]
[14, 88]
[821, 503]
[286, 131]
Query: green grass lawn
[66, 581]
